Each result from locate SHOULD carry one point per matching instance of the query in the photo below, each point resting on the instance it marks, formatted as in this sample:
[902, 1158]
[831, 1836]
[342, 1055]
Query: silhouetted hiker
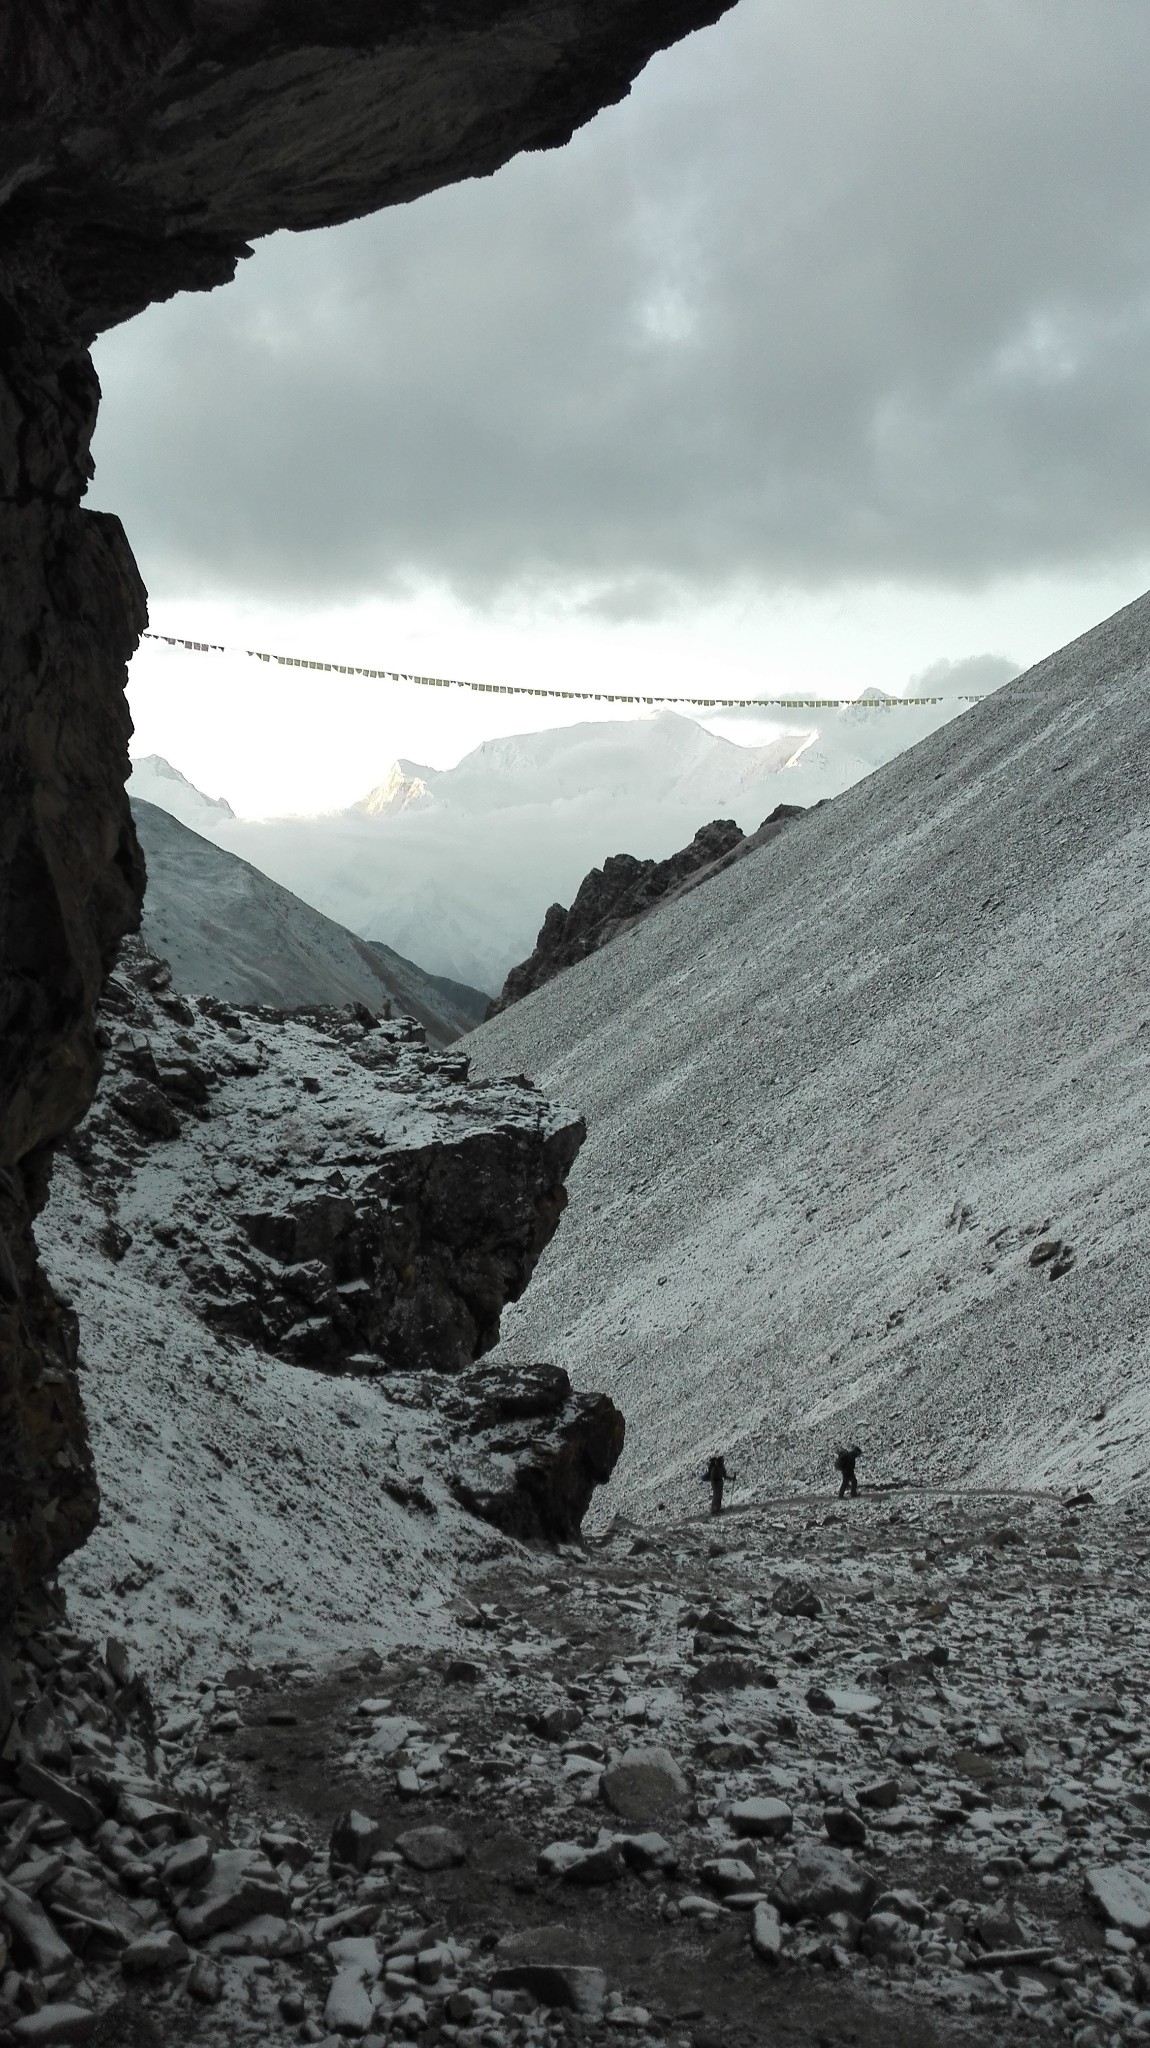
[845, 1463]
[717, 1474]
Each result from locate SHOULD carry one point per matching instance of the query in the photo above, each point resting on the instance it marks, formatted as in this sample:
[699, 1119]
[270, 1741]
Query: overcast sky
[824, 357]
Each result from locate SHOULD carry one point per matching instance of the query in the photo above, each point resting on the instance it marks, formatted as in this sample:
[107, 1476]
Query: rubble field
[816, 1772]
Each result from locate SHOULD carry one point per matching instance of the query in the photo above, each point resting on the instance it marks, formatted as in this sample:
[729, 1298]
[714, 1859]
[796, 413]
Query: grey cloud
[976, 676]
[841, 291]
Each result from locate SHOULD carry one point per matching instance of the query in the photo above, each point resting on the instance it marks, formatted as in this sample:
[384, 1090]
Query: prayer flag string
[392, 675]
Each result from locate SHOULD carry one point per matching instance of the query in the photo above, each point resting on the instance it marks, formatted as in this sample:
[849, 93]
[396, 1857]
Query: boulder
[645, 1786]
[845, 1827]
[153, 1954]
[882, 1794]
[764, 1818]
[730, 1674]
[1122, 1897]
[189, 1862]
[146, 1108]
[843, 1701]
[349, 2009]
[240, 1885]
[531, 1451]
[355, 1838]
[766, 1932]
[724, 1874]
[823, 1880]
[430, 1848]
[574, 1987]
[53, 2024]
[793, 1597]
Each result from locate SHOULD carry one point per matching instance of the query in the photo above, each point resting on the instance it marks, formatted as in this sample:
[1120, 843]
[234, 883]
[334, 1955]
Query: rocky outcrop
[322, 1185]
[614, 897]
[529, 1452]
[141, 147]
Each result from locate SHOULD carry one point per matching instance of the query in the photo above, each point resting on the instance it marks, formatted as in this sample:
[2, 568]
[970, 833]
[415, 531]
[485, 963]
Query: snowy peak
[404, 788]
[156, 781]
[661, 759]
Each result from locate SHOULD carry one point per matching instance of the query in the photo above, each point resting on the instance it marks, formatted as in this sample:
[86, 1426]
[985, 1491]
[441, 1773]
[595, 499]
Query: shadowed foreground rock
[616, 896]
[141, 147]
[532, 1451]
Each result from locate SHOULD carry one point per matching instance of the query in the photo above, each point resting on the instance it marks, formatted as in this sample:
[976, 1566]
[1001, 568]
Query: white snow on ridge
[836, 1097]
[155, 781]
[456, 868]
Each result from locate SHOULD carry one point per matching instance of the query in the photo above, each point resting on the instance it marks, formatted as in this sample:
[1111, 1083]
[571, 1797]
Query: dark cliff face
[143, 143]
[614, 897]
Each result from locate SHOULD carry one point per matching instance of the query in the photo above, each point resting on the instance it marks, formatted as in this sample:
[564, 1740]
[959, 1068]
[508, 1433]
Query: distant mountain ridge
[227, 930]
[455, 867]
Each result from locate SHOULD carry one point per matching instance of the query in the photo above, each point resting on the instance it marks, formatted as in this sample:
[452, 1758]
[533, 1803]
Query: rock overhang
[142, 158]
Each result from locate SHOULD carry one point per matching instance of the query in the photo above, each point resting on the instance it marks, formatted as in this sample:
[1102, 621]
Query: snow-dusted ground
[244, 1517]
[836, 1098]
[245, 1511]
[455, 868]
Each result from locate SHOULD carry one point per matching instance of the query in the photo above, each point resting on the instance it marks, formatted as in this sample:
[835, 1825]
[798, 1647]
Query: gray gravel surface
[837, 1101]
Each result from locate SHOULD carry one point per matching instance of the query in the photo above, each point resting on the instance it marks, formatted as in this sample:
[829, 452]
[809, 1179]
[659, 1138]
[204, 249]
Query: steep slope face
[867, 1157]
[141, 146]
[614, 897]
[226, 930]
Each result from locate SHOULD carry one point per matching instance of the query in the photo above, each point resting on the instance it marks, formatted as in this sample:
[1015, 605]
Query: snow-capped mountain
[155, 781]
